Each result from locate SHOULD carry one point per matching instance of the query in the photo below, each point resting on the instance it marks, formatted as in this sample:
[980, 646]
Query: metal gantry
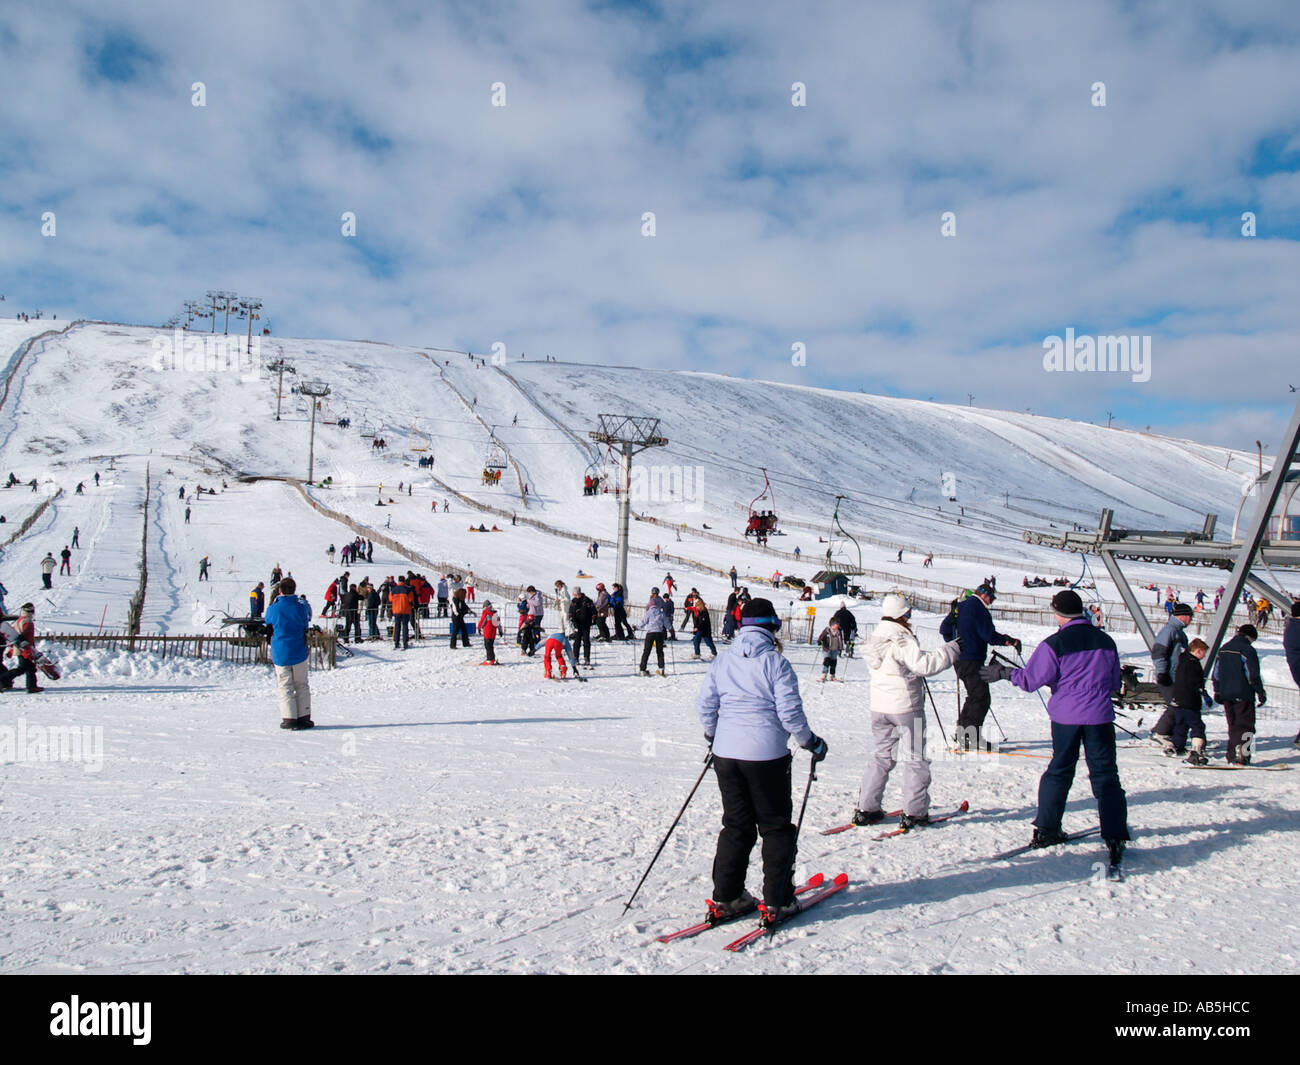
[631, 434]
[1238, 556]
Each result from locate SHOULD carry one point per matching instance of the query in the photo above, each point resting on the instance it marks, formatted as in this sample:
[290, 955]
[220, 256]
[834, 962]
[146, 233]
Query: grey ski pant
[898, 737]
[295, 694]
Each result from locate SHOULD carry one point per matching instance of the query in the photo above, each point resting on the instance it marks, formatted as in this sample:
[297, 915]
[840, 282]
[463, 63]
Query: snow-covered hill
[448, 818]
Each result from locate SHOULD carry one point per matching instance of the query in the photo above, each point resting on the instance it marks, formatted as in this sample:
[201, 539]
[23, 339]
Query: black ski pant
[528, 639]
[581, 640]
[622, 630]
[351, 623]
[25, 668]
[401, 630]
[489, 649]
[1187, 723]
[755, 801]
[48, 579]
[655, 640]
[459, 628]
[1165, 725]
[1241, 729]
[442, 608]
[372, 622]
[603, 628]
[978, 698]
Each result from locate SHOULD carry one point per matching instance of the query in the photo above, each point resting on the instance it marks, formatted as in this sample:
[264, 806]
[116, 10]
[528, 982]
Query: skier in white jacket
[898, 666]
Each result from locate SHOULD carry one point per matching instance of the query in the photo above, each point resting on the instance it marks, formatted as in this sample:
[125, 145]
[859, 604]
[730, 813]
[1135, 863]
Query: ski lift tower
[630, 434]
[314, 390]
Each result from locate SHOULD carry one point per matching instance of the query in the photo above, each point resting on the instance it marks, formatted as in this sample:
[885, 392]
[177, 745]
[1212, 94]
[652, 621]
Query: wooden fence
[243, 650]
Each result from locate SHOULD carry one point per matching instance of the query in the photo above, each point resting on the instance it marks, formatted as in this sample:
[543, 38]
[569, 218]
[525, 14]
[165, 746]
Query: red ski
[933, 821]
[711, 921]
[804, 902]
[844, 828]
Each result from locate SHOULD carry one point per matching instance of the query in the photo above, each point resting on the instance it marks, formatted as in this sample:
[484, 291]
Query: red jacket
[487, 624]
[331, 593]
[400, 599]
[27, 633]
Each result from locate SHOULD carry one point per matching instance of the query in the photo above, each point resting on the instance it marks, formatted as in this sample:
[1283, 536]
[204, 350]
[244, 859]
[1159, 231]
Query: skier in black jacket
[1239, 687]
[582, 615]
[1188, 699]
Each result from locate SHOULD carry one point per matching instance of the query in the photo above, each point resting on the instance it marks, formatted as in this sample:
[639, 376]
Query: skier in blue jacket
[289, 616]
[972, 624]
[750, 707]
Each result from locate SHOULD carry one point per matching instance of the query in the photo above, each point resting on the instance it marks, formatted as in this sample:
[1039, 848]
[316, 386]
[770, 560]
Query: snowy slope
[449, 818]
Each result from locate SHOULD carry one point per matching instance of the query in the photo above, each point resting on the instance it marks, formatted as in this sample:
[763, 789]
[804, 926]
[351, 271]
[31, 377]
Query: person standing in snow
[289, 616]
[48, 566]
[1240, 688]
[749, 707]
[581, 614]
[76, 536]
[459, 610]
[203, 569]
[848, 626]
[898, 671]
[602, 613]
[256, 601]
[670, 608]
[402, 601]
[971, 623]
[654, 625]
[1080, 664]
[1166, 655]
[66, 565]
[831, 641]
[703, 624]
[443, 596]
[562, 594]
[734, 576]
[488, 627]
[329, 553]
[622, 630]
[1291, 647]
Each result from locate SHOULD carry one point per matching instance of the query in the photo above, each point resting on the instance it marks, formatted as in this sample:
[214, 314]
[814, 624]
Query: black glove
[816, 746]
[1165, 680]
[709, 740]
[1262, 698]
[994, 672]
[1016, 644]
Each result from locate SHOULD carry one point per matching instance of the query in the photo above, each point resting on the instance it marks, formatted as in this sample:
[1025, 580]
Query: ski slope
[448, 818]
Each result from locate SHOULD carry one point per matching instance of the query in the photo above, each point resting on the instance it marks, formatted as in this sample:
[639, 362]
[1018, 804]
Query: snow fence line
[136, 607]
[22, 351]
[31, 518]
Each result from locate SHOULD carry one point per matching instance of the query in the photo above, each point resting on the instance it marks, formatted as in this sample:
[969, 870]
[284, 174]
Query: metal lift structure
[1250, 546]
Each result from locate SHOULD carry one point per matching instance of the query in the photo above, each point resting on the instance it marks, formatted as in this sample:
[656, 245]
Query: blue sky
[774, 224]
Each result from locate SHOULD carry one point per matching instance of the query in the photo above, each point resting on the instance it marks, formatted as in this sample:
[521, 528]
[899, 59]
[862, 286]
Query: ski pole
[935, 707]
[707, 762]
[812, 775]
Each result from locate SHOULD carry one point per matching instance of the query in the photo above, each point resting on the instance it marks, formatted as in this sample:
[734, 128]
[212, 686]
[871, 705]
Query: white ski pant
[295, 695]
[898, 737]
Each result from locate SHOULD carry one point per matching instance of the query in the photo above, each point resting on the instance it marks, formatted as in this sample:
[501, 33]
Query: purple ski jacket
[1080, 663]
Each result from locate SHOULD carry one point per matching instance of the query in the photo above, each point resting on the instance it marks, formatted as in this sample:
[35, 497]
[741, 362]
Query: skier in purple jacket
[1080, 663]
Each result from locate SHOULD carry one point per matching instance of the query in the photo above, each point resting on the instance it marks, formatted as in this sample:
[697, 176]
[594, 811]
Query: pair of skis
[808, 894]
[900, 831]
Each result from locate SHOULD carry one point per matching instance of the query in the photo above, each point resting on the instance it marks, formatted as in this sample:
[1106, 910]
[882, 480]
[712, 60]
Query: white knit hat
[894, 606]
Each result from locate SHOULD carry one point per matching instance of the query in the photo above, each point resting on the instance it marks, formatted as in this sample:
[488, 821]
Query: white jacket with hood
[898, 665]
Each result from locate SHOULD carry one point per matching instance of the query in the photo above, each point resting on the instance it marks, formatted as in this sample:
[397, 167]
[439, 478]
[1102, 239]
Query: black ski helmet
[760, 613]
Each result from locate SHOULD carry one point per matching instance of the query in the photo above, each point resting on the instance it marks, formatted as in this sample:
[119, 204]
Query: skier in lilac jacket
[1080, 663]
[750, 708]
